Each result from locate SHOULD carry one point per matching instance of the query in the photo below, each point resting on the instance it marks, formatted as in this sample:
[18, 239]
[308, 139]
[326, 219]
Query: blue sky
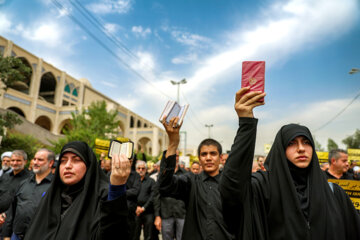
[309, 47]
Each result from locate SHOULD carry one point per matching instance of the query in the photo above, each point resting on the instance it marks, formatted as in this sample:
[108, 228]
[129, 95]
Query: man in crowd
[204, 218]
[261, 160]
[223, 159]
[155, 172]
[145, 209]
[107, 166]
[10, 181]
[324, 166]
[195, 168]
[172, 210]
[339, 165]
[5, 163]
[29, 195]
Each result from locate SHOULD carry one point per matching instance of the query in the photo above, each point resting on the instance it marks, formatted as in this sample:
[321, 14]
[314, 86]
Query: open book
[117, 147]
[173, 109]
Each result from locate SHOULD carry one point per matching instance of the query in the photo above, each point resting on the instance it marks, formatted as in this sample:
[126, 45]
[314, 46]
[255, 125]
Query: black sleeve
[113, 219]
[8, 225]
[157, 201]
[235, 184]
[132, 191]
[150, 200]
[171, 185]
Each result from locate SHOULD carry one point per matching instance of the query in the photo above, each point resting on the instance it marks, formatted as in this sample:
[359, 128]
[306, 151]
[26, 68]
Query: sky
[129, 50]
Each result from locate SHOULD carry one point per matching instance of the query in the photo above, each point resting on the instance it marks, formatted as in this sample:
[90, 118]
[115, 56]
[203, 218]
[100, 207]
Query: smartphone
[253, 76]
[117, 147]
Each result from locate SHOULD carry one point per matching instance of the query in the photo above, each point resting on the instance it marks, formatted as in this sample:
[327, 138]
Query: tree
[12, 70]
[95, 122]
[331, 145]
[353, 141]
[318, 146]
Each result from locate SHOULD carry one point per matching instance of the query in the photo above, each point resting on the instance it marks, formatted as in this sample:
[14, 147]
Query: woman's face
[72, 168]
[299, 151]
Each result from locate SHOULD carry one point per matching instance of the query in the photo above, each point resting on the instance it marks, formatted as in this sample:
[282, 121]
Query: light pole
[354, 70]
[209, 126]
[178, 90]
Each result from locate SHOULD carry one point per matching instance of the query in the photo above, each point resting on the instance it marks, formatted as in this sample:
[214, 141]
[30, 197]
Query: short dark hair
[20, 153]
[195, 163]
[50, 154]
[208, 142]
[335, 153]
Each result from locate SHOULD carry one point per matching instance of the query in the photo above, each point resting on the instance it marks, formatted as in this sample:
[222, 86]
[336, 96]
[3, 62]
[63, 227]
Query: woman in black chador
[292, 199]
[81, 204]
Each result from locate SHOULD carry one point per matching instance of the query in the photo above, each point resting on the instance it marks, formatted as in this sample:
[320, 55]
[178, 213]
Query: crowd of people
[284, 195]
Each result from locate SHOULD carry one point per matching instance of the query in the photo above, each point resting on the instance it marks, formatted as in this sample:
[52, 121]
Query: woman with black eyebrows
[292, 199]
[80, 203]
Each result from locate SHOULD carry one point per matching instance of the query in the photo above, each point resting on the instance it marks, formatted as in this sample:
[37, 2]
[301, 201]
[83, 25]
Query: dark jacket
[25, 203]
[146, 196]
[9, 183]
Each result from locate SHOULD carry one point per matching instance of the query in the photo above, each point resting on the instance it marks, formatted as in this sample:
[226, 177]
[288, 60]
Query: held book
[117, 147]
[253, 75]
[173, 109]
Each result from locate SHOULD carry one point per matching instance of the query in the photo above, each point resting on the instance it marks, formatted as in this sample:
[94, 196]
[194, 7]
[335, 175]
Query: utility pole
[178, 90]
[209, 126]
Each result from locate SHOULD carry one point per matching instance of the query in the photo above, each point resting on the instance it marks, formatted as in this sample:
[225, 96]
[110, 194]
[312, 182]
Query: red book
[253, 75]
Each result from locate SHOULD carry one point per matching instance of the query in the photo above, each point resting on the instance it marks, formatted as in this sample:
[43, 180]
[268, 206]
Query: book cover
[253, 75]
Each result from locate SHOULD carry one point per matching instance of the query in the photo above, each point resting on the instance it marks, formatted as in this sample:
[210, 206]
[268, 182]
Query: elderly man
[28, 195]
[145, 208]
[11, 181]
[5, 163]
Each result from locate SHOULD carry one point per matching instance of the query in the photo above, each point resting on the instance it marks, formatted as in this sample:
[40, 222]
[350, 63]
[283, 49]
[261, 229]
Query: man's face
[141, 170]
[41, 163]
[107, 165]
[255, 167]
[261, 161]
[224, 157]
[17, 163]
[195, 168]
[299, 151]
[341, 164]
[210, 159]
[6, 163]
[72, 168]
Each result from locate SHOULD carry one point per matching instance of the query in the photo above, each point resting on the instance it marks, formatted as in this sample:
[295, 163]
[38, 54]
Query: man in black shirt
[10, 181]
[204, 219]
[339, 165]
[145, 209]
[29, 195]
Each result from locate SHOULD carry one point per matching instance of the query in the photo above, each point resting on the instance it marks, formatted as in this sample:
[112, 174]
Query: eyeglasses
[139, 168]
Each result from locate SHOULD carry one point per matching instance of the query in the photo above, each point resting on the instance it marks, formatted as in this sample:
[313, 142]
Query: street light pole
[209, 126]
[183, 81]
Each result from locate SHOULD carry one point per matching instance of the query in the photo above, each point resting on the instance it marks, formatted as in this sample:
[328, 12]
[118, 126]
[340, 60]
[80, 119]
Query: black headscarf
[82, 202]
[301, 204]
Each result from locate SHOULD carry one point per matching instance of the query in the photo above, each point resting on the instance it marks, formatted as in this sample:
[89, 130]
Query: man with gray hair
[5, 163]
[145, 206]
[339, 165]
[10, 181]
[28, 196]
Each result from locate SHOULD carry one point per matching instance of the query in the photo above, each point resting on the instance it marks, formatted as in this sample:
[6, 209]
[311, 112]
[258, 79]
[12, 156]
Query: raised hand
[173, 131]
[120, 169]
[246, 101]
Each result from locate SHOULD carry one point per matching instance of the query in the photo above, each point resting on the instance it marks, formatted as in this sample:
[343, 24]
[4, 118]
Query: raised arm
[170, 185]
[235, 184]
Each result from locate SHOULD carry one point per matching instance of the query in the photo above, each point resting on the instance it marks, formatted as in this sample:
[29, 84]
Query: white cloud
[189, 39]
[111, 28]
[185, 59]
[111, 6]
[139, 31]
[48, 33]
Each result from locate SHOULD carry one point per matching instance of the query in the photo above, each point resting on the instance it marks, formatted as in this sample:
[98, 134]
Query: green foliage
[353, 141]
[332, 145]
[12, 69]
[15, 141]
[318, 146]
[8, 120]
[95, 122]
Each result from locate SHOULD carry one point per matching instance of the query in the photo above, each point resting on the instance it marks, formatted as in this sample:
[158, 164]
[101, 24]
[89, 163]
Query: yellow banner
[353, 154]
[102, 146]
[352, 188]
[323, 156]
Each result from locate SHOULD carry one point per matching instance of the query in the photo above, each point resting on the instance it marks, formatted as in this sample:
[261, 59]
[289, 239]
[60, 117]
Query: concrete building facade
[49, 96]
